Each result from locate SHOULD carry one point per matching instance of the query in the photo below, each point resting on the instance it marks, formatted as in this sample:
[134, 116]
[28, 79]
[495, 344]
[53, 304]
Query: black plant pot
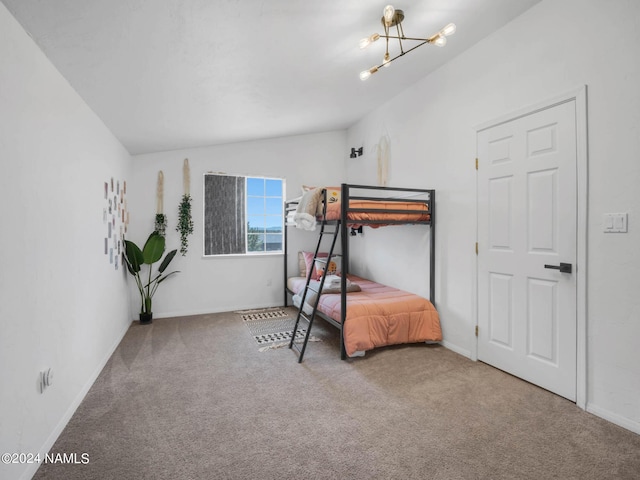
[146, 318]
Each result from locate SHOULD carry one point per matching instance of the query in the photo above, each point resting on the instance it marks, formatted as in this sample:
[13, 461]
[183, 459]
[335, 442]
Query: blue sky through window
[265, 214]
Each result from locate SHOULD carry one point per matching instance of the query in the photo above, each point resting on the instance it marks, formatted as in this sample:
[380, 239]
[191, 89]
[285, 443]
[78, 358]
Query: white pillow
[334, 267]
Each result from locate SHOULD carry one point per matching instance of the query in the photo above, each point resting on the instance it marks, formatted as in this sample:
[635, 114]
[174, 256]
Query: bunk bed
[368, 314]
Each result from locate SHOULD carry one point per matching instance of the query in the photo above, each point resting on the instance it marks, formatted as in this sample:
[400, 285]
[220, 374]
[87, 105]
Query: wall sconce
[356, 152]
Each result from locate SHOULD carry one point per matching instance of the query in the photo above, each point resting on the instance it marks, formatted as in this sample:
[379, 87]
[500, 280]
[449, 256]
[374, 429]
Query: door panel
[527, 216]
[542, 206]
[500, 318]
[542, 320]
[499, 213]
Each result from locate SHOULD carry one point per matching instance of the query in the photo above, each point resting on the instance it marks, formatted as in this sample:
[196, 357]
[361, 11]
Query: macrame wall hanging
[161, 218]
[383, 152]
[185, 222]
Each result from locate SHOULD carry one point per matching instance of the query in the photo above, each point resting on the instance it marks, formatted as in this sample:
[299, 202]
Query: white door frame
[579, 95]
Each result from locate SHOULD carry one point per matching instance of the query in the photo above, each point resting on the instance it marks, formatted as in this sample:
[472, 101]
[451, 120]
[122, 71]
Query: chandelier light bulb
[388, 14]
[365, 74]
[387, 60]
[440, 41]
[365, 42]
[449, 30]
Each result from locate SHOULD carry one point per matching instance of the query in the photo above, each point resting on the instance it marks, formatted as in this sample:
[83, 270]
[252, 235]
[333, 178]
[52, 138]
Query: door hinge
[476, 330]
[476, 248]
[476, 163]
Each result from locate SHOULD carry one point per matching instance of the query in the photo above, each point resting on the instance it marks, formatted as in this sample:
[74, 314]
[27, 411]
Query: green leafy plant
[161, 223]
[185, 223]
[151, 253]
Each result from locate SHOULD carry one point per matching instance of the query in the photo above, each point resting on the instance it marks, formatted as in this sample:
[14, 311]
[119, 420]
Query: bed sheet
[379, 315]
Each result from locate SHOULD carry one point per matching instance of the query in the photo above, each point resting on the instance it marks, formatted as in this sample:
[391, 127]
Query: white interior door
[527, 220]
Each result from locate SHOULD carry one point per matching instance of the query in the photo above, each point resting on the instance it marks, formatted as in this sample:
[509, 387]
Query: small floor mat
[273, 327]
[255, 315]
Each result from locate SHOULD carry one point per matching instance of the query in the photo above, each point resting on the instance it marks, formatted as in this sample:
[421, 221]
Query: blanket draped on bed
[379, 315]
[309, 207]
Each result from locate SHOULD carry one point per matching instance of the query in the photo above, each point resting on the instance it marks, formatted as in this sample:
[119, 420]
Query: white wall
[217, 284]
[62, 305]
[549, 50]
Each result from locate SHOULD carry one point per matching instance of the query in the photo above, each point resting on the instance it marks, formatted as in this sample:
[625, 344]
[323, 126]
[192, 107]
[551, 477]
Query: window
[243, 215]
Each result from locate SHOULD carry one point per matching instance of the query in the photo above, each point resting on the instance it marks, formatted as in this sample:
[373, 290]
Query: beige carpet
[192, 398]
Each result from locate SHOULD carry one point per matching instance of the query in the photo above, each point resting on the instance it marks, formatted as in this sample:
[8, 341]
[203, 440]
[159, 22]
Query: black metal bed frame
[342, 226]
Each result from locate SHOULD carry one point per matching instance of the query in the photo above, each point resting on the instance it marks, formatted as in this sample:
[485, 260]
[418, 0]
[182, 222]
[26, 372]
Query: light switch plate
[614, 223]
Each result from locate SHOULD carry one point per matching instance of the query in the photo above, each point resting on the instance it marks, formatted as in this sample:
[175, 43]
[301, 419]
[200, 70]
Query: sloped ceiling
[169, 74]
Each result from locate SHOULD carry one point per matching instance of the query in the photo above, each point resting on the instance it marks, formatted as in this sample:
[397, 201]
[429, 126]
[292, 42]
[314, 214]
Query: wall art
[115, 218]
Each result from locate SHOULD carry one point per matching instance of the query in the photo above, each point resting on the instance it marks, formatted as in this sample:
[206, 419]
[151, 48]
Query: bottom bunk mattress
[378, 315]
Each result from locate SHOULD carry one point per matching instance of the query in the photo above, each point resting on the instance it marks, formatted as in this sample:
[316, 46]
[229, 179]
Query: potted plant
[150, 254]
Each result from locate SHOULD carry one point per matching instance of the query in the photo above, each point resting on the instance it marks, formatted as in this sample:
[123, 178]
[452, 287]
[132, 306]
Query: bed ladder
[331, 235]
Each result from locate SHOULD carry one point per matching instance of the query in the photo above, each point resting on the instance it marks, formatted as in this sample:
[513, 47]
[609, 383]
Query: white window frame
[246, 233]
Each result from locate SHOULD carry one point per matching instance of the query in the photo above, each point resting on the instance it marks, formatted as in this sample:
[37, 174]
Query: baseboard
[48, 444]
[454, 348]
[188, 313]
[613, 418]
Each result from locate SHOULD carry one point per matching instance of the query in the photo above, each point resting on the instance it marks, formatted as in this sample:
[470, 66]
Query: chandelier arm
[402, 54]
[430, 39]
[387, 29]
[400, 36]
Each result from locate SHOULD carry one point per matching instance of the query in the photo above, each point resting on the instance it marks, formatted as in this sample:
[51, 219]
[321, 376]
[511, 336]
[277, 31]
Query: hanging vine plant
[161, 218]
[185, 222]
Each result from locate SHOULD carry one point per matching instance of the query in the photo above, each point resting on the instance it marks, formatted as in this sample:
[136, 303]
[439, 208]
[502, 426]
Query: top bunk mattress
[380, 211]
[306, 210]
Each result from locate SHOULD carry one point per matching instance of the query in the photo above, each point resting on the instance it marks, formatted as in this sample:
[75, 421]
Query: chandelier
[393, 18]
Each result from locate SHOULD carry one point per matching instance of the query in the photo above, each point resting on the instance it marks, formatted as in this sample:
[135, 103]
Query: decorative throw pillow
[333, 267]
[302, 266]
[310, 267]
[333, 194]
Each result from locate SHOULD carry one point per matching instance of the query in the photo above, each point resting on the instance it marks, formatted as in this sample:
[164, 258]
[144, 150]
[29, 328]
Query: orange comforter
[421, 214]
[379, 315]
